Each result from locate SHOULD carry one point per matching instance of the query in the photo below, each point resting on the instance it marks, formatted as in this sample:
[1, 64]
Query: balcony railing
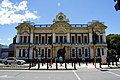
[59, 43]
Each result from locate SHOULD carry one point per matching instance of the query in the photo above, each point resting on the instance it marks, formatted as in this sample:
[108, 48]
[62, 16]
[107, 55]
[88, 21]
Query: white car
[10, 60]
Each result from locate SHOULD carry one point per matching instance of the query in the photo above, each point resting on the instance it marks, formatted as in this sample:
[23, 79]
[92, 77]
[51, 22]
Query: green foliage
[113, 42]
[111, 52]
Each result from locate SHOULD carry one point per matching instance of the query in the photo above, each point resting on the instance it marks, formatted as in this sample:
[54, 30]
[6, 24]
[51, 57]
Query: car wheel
[9, 63]
[5, 62]
[19, 63]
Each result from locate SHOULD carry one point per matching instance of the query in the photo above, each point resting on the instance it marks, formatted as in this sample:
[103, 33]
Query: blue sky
[13, 12]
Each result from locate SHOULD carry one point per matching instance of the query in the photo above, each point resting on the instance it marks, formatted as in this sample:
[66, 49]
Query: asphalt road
[82, 73]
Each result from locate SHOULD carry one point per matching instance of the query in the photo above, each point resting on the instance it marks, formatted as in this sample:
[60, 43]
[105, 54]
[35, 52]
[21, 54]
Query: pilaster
[53, 38]
[68, 37]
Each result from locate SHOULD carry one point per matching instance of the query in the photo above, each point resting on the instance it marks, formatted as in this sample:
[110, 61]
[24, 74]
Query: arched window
[48, 52]
[79, 53]
[42, 54]
[23, 52]
[86, 52]
[73, 53]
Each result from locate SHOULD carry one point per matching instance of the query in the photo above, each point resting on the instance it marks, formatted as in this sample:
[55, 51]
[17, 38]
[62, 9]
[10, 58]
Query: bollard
[47, 65]
[100, 62]
[75, 66]
[42, 63]
[56, 66]
[79, 63]
[38, 65]
[72, 63]
[29, 65]
[108, 62]
[86, 62]
[65, 65]
[116, 62]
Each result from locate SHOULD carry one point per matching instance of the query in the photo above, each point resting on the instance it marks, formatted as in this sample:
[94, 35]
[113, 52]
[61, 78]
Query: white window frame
[78, 52]
[71, 52]
[50, 53]
[41, 52]
[44, 38]
[80, 38]
[38, 38]
[87, 52]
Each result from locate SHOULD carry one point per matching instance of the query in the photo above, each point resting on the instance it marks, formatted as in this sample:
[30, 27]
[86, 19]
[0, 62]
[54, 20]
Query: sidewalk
[69, 66]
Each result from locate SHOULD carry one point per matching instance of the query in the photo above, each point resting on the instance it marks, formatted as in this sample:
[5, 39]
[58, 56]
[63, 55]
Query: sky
[13, 12]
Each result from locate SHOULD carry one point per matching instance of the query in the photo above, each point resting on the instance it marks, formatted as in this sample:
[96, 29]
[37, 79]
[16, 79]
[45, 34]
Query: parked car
[10, 60]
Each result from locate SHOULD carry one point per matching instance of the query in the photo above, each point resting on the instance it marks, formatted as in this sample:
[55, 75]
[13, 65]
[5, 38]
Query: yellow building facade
[47, 39]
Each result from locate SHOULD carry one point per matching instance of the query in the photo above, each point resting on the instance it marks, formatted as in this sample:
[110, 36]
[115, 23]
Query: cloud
[59, 4]
[11, 13]
[9, 39]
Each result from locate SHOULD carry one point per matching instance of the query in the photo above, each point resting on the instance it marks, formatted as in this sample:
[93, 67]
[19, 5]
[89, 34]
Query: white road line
[6, 76]
[114, 73]
[76, 75]
[37, 71]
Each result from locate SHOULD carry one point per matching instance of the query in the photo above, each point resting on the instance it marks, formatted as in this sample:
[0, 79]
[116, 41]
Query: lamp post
[14, 43]
[95, 38]
[29, 49]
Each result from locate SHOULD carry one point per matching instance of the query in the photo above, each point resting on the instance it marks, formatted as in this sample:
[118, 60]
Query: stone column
[18, 38]
[31, 54]
[55, 51]
[31, 38]
[17, 53]
[105, 51]
[21, 52]
[104, 37]
[53, 37]
[68, 37]
[90, 37]
[91, 52]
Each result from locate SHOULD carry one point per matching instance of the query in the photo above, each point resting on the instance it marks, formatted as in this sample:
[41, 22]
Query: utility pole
[95, 39]
[14, 43]
[29, 50]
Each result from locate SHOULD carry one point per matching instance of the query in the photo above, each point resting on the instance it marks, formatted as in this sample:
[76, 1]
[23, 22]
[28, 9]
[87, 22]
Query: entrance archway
[61, 52]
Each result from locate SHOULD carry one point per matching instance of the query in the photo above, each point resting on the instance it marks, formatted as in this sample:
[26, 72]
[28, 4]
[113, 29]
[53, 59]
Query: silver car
[10, 60]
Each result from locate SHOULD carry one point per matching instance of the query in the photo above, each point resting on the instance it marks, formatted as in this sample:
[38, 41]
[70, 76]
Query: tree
[113, 42]
[112, 52]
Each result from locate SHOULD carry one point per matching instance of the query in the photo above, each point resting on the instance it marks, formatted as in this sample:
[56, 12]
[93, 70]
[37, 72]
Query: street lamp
[14, 43]
[95, 39]
[29, 49]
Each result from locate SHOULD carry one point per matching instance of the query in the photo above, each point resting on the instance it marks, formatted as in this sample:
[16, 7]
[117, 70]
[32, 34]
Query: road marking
[114, 73]
[37, 71]
[76, 75]
[5, 76]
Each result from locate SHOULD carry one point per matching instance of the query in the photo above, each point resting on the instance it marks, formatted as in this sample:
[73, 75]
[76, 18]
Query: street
[82, 73]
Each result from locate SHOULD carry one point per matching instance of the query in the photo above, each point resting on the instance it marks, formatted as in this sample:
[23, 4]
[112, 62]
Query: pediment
[97, 25]
[61, 25]
[25, 26]
[24, 32]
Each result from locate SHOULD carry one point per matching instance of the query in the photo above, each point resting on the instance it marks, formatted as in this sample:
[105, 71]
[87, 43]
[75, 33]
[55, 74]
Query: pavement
[53, 67]
[70, 67]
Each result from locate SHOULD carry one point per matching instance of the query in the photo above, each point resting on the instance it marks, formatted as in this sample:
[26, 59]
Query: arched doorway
[61, 52]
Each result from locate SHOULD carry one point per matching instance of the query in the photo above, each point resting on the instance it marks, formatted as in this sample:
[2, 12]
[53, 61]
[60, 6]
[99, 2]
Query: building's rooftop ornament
[61, 17]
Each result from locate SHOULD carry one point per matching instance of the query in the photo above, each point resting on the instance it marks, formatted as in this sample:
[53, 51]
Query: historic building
[48, 39]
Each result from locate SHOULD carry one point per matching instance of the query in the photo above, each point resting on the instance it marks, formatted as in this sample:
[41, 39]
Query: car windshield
[10, 58]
